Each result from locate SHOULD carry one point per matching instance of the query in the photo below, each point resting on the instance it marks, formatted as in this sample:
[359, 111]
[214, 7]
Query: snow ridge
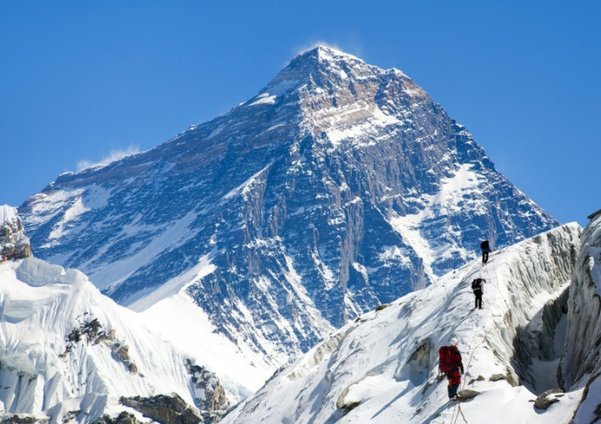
[382, 367]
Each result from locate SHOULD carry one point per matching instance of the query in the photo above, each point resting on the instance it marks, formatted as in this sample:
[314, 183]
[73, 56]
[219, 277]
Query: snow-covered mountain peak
[324, 59]
[327, 53]
[321, 60]
[337, 75]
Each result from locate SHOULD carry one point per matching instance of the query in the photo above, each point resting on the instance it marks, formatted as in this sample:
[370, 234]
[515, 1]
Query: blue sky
[80, 81]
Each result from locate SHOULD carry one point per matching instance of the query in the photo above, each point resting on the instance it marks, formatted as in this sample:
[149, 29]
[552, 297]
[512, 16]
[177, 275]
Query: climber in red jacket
[451, 365]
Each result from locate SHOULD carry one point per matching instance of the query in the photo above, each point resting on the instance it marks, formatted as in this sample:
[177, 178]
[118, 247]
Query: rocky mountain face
[581, 362]
[14, 244]
[339, 187]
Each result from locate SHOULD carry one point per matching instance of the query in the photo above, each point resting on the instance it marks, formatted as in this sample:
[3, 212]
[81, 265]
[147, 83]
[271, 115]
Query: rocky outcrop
[548, 398]
[164, 409]
[467, 394]
[122, 418]
[121, 354]
[92, 332]
[13, 242]
[209, 395]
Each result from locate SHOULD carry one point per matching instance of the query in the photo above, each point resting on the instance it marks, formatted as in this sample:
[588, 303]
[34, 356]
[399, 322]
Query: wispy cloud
[113, 156]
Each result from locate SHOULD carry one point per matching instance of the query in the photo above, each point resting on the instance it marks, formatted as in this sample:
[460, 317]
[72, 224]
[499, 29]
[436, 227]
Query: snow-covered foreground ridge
[69, 353]
[382, 368]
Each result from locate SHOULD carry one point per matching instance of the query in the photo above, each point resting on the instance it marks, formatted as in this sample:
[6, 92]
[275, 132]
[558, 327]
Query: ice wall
[581, 363]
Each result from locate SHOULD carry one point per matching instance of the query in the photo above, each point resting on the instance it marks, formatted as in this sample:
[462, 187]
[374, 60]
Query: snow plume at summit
[113, 156]
[338, 187]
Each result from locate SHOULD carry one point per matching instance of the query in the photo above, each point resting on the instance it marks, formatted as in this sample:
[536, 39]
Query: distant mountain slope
[338, 187]
[382, 368]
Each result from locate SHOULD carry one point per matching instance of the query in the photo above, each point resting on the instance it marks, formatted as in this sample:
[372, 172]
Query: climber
[451, 365]
[478, 289]
[485, 247]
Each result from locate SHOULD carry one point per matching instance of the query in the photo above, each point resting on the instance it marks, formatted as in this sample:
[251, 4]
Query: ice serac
[340, 186]
[382, 367]
[581, 362]
[69, 354]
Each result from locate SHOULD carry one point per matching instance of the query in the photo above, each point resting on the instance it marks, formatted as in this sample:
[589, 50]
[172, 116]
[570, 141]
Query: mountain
[70, 354]
[339, 187]
[382, 368]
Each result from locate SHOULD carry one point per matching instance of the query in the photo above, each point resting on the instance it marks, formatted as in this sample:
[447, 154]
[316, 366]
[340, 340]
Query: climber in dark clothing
[485, 247]
[478, 289]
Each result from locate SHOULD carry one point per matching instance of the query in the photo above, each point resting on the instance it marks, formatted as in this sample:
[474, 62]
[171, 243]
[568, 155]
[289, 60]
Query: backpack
[445, 361]
[485, 245]
[477, 284]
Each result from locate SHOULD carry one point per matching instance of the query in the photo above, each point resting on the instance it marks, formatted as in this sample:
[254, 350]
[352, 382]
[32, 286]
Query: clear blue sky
[81, 79]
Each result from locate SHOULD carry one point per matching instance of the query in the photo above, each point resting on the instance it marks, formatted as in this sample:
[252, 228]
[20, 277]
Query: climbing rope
[460, 412]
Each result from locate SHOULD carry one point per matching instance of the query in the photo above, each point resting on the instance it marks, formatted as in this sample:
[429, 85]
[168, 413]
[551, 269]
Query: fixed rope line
[461, 412]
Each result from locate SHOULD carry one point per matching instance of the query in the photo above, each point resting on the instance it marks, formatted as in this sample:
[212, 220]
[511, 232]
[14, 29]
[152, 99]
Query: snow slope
[66, 347]
[581, 362]
[382, 367]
